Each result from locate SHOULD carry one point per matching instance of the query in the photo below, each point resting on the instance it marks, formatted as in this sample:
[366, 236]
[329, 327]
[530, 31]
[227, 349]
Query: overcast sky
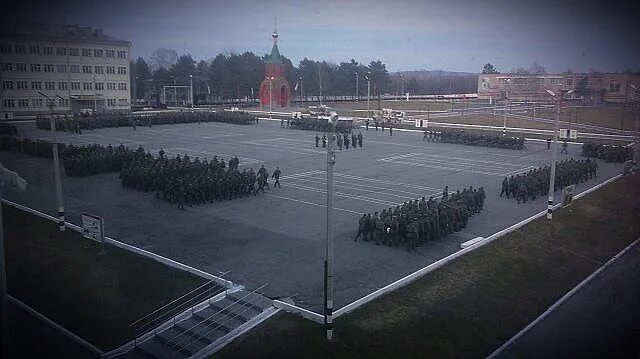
[449, 35]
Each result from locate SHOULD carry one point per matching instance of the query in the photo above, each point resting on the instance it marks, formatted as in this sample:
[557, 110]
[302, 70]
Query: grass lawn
[93, 290]
[469, 307]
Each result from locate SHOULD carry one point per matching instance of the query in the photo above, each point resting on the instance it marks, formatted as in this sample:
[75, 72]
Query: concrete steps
[203, 327]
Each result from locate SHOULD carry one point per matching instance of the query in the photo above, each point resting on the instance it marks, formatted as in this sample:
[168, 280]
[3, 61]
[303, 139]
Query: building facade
[275, 89]
[593, 87]
[62, 68]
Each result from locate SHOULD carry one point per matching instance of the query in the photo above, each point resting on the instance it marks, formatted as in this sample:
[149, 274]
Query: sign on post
[566, 133]
[93, 227]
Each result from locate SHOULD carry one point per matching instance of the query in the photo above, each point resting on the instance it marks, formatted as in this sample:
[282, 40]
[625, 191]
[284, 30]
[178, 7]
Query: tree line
[231, 76]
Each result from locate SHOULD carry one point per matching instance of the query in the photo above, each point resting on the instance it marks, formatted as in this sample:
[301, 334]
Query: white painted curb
[561, 300]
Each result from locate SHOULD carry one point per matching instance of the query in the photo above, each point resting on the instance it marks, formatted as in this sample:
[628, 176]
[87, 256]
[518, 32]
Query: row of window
[62, 85]
[86, 69]
[61, 51]
[38, 102]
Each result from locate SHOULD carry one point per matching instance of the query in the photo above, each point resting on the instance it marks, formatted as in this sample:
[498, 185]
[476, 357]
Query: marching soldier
[317, 139]
[276, 176]
[360, 139]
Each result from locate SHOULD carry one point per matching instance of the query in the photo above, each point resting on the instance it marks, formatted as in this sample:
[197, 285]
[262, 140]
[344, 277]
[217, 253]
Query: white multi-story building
[74, 68]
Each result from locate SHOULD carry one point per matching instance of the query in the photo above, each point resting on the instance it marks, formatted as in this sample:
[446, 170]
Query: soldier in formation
[185, 181]
[530, 185]
[419, 221]
[608, 153]
[474, 139]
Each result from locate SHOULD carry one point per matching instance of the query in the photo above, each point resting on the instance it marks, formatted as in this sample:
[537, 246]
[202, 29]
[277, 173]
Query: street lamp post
[636, 141]
[506, 101]
[329, 260]
[191, 89]
[368, 77]
[554, 152]
[357, 87]
[56, 164]
[300, 82]
[270, 95]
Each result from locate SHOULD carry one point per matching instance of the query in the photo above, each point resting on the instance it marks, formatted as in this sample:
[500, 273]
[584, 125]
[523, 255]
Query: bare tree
[163, 57]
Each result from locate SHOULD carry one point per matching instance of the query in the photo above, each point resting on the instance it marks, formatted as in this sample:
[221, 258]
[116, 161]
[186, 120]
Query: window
[97, 52]
[86, 86]
[35, 68]
[48, 50]
[74, 68]
[122, 86]
[63, 85]
[75, 86]
[86, 52]
[569, 82]
[74, 51]
[99, 69]
[614, 86]
[7, 66]
[5, 48]
[9, 103]
[36, 102]
[7, 85]
[111, 69]
[21, 67]
[36, 85]
[110, 53]
[122, 54]
[99, 85]
[63, 102]
[21, 49]
[22, 85]
[49, 85]
[110, 102]
[62, 68]
[111, 85]
[556, 81]
[123, 102]
[23, 102]
[539, 81]
[48, 68]
[86, 69]
[34, 50]
[122, 70]
[62, 51]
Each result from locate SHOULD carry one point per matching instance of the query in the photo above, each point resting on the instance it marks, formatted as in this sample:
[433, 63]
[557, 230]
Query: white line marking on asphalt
[314, 204]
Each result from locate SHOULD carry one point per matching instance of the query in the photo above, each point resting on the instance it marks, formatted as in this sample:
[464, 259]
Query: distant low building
[79, 68]
[593, 87]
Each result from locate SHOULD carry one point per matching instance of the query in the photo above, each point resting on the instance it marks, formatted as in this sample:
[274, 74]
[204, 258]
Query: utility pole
[328, 261]
[506, 101]
[320, 83]
[636, 142]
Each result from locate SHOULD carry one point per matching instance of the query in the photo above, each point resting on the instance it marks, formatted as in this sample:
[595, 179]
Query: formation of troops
[474, 139]
[79, 161]
[343, 140]
[185, 181]
[27, 146]
[530, 185]
[78, 123]
[419, 221]
[317, 124]
[607, 152]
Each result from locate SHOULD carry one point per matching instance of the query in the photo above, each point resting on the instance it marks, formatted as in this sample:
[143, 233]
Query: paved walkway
[602, 320]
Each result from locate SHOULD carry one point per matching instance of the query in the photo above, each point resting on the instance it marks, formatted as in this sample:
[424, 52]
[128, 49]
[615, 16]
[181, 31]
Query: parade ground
[278, 238]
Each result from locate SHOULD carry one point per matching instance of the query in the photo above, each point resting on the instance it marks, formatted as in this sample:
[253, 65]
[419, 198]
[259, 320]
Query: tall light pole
[506, 101]
[300, 82]
[554, 152]
[368, 77]
[56, 164]
[357, 87]
[191, 93]
[270, 95]
[328, 259]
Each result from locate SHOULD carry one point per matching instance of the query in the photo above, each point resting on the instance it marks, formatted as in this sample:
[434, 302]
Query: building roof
[275, 57]
[71, 33]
